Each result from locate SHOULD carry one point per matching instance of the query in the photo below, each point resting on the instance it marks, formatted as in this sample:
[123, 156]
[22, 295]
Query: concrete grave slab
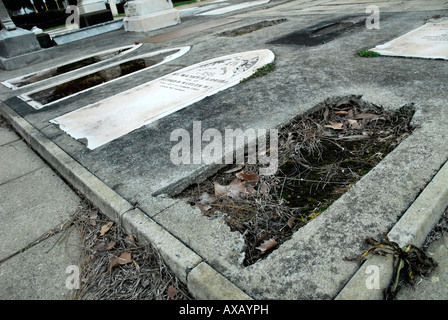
[167, 95]
[171, 35]
[429, 41]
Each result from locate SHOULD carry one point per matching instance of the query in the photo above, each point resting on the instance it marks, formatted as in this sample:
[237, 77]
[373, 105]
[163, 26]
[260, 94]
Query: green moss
[368, 54]
[176, 4]
[268, 68]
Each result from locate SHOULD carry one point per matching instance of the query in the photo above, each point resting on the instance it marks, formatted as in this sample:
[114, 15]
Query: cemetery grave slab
[322, 155]
[137, 166]
[429, 41]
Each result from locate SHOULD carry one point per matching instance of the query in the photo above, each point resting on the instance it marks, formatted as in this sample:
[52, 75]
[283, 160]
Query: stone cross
[5, 19]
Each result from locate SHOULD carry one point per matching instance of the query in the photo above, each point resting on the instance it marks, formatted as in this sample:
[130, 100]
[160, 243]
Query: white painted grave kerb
[235, 7]
[429, 41]
[49, 73]
[116, 116]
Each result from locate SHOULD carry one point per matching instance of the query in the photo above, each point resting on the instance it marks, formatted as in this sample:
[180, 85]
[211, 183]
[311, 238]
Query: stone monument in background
[93, 12]
[18, 47]
[147, 15]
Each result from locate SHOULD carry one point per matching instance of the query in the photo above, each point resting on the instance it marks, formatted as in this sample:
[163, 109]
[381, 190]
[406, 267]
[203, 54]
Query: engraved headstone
[146, 15]
[109, 119]
[93, 12]
[429, 41]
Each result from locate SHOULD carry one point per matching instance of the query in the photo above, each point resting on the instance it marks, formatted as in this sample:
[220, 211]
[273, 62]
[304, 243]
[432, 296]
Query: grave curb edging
[193, 269]
[412, 228]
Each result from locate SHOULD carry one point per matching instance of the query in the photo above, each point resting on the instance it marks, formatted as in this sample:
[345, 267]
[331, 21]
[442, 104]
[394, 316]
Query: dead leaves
[335, 126]
[267, 245]
[345, 119]
[105, 228]
[234, 189]
[242, 186]
[172, 292]
[116, 260]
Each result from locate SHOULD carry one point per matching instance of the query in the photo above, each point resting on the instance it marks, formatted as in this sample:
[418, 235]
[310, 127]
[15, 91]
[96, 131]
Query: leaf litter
[115, 266]
[321, 156]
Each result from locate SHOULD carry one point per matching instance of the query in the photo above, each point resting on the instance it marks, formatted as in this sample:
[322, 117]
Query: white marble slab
[109, 119]
[429, 41]
[233, 8]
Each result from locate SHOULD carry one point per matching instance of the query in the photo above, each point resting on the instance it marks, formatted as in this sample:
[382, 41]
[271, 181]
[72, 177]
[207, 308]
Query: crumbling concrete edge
[202, 280]
[412, 228]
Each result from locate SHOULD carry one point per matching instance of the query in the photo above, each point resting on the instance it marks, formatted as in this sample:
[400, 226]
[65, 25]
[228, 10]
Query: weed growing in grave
[321, 156]
[268, 68]
[408, 262]
[368, 54]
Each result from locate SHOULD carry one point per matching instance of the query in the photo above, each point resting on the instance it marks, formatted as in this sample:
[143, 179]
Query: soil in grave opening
[321, 156]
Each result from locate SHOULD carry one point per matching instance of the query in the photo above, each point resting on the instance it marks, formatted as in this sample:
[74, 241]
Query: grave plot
[429, 41]
[43, 97]
[251, 28]
[322, 32]
[69, 67]
[159, 98]
[321, 156]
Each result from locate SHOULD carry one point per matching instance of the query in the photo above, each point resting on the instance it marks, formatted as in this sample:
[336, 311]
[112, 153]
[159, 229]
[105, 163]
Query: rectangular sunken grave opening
[71, 66]
[321, 33]
[251, 28]
[321, 156]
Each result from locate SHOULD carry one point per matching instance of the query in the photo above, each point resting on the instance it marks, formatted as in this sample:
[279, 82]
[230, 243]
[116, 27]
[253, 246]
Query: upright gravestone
[16, 44]
[147, 15]
[93, 12]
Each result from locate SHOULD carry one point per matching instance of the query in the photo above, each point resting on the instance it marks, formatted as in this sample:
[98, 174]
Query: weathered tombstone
[429, 41]
[109, 119]
[147, 15]
[93, 12]
[15, 42]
